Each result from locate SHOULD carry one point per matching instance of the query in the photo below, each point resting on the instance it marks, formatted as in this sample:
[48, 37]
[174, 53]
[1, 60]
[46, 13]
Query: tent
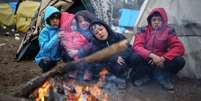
[185, 17]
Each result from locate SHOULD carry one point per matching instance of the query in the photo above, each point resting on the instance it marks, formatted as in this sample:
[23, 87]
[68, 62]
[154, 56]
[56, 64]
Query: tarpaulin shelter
[128, 17]
[185, 17]
[7, 16]
[25, 13]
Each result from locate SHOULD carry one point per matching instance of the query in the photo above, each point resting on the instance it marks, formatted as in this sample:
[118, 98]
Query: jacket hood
[162, 12]
[109, 30]
[49, 11]
[66, 21]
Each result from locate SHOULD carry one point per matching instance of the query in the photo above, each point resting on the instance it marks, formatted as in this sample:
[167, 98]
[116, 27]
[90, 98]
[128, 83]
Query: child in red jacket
[72, 41]
[160, 51]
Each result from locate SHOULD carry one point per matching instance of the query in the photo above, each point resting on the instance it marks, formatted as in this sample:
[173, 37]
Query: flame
[103, 72]
[42, 91]
[90, 92]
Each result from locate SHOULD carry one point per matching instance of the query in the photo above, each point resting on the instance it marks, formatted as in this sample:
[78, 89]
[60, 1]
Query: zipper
[107, 43]
[154, 42]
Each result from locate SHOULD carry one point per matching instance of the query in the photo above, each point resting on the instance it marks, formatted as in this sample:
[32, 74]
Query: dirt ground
[13, 73]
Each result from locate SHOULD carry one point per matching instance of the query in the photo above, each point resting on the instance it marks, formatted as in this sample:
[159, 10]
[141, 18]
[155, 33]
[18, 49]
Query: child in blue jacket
[50, 50]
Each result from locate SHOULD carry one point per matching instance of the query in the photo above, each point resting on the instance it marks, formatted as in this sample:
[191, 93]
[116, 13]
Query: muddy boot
[164, 79]
[120, 83]
[141, 81]
[166, 82]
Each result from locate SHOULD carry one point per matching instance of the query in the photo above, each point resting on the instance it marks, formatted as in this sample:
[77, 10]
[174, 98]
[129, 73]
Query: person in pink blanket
[71, 39]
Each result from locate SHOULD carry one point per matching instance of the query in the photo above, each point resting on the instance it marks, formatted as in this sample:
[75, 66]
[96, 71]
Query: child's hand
[161, 63]
[155, 59]
[61, 34]
[72, 52]
[120, 60]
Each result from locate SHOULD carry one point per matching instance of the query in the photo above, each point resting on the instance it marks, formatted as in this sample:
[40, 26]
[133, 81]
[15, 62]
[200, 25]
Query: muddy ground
[13, 73]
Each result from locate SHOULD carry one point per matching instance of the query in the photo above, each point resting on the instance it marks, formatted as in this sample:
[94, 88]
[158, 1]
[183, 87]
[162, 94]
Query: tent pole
[142, 10]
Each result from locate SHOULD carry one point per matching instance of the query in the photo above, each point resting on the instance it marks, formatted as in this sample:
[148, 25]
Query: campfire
[59, 88]
[55, 90]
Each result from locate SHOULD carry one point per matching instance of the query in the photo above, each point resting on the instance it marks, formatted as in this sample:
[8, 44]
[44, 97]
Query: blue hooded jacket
[48, 39]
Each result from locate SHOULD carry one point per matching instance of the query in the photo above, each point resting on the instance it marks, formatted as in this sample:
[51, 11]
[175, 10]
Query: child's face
[54, 22]
[83, 24]
[156, 22]
[100, 32]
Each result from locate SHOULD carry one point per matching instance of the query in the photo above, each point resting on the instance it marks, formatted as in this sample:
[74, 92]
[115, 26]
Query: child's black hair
[55, 15]
[152, 15]
[88, 16]
[102, 23]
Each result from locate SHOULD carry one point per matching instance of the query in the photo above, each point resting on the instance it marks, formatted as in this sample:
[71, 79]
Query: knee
[135, 58]
[180, 61]
[117, 69]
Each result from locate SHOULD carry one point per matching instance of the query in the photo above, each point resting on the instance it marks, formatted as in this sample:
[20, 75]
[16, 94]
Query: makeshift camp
[184, 16]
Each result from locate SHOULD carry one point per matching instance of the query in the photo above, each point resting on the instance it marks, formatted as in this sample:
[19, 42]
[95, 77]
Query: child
[83, 19]
[159, 50]
[103, 38]
[49, 52]
[71, 40]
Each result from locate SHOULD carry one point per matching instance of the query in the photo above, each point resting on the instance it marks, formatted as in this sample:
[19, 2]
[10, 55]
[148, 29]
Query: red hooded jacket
[163, 42]
[72, 40]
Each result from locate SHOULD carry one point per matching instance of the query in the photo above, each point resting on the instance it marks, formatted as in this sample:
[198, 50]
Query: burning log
[12, 98]
[26, 89]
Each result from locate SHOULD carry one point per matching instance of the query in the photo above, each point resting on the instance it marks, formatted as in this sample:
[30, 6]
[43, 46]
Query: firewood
[26, 89]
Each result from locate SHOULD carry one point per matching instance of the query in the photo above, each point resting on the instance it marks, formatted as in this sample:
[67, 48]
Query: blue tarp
[13, 5]
[128, 17]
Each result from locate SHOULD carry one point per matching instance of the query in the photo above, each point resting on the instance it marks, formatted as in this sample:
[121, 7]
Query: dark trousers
[143, 69]
[121, 70]
[47, 65]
